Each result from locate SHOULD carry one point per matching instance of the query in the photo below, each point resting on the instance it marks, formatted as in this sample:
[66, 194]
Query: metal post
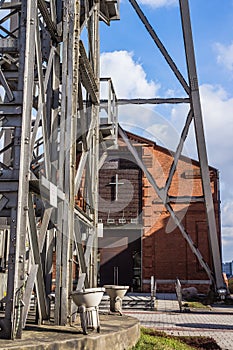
[95, 50]
[115, 275]
[153, 291]
[200, 138]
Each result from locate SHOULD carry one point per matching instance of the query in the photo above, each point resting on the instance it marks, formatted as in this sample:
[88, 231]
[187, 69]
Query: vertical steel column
[16, 272]
[95, 167]
[200, 138]
[62, 238]
[61, 159]
[72, 160]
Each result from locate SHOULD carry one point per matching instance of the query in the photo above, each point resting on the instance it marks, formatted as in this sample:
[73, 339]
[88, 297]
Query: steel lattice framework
[50, 147]
[45, 70]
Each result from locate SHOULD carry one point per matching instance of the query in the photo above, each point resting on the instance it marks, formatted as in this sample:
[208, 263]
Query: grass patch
[154, 340]
[196, 305]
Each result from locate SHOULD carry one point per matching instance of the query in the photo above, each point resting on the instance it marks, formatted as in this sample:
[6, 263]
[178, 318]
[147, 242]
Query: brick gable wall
[165, 253]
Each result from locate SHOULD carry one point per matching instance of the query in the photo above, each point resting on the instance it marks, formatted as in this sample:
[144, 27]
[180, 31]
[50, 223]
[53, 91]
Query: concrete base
[116, 333]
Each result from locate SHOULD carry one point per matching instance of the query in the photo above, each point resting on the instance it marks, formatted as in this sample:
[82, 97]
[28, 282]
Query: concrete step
[116, 333]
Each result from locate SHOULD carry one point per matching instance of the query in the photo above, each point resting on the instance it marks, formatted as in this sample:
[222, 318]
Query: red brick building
[140, 239]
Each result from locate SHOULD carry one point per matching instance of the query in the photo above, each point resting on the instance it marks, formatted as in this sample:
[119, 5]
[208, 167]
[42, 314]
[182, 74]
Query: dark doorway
[120, 259]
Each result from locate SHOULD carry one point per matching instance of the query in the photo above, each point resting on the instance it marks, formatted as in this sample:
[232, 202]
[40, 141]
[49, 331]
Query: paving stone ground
[216, 322]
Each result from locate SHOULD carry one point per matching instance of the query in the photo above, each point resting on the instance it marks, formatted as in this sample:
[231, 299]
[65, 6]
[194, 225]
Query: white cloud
[217, 112]
[227, 243]
[227, 228]
[129, 77]
[159, 3]
[225, 55]
[217, 109]
[130, 81]
[227, 214]
[147, 122]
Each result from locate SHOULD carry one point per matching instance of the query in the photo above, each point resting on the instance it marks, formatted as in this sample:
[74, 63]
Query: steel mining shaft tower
[51, 139]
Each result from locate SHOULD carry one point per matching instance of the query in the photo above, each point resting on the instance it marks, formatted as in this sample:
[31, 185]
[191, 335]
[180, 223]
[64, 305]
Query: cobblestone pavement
[216, 322]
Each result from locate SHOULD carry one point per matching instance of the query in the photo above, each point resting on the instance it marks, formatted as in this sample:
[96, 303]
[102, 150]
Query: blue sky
[130, 57]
